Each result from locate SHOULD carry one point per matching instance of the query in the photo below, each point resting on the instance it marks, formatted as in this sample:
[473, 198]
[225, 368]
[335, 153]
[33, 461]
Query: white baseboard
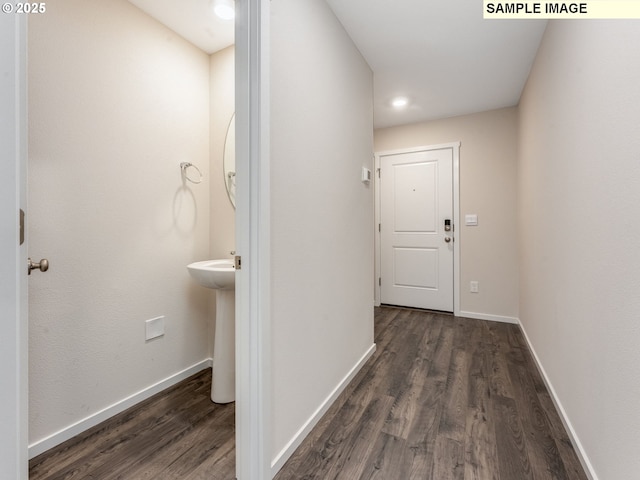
[490, 317]
[71, 431]
[582, 455]
[297, 439]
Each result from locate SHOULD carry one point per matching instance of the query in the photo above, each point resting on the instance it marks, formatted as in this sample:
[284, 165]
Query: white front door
[416, 229]
[13, 252]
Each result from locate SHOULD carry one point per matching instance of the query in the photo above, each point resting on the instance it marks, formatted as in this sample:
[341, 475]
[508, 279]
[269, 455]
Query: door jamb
[455, 146]
[13, 299]
[253, 341]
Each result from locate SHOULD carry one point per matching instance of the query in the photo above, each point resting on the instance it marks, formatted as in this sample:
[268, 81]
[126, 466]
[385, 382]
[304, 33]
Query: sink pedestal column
[223, 384]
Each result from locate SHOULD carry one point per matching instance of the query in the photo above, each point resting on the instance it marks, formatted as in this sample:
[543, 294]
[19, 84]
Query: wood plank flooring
[176, 434]
[442, 398]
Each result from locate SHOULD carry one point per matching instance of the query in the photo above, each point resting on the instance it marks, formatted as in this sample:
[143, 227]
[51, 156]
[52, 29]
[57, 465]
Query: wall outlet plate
[154, 327]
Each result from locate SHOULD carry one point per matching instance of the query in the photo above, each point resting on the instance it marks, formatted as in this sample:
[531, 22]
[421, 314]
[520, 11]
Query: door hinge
[378, 170]
[237, 262]
[379, 228]
[21, 226]
[379, 281]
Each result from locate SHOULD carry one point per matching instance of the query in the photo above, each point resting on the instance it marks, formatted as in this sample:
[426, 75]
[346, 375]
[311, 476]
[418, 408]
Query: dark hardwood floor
[442, 398]
[176, 434]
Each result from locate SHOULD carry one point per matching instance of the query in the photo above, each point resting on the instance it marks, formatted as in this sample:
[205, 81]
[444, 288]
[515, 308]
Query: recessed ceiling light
[400, 102]
[224, 9]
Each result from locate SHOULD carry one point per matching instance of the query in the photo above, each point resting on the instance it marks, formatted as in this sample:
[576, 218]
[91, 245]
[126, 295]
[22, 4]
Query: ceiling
[440, 54]
[193, 20]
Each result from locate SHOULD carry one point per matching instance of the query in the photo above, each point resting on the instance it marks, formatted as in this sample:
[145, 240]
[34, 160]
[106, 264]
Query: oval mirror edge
[229, 160]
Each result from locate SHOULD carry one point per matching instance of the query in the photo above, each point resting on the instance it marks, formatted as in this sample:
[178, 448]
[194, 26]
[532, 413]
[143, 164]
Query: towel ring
[184, 166]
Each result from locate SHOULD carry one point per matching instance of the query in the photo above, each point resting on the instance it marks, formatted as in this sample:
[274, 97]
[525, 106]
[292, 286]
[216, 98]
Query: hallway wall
[578, 197]
[116, 102]
[321, 214]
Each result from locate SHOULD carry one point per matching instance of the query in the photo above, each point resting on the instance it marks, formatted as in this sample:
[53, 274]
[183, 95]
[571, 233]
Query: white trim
[422, 148]
[455, 146]
[376, 231]
[490, 317]
[457, 228]
[297, 439]
[580, 452]
[71, 431]
[14, 351]
[253, 341]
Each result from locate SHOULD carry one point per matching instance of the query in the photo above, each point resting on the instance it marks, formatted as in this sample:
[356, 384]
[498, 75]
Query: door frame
[455, 147]
[253, 453]
[253, 340]
[14, 346]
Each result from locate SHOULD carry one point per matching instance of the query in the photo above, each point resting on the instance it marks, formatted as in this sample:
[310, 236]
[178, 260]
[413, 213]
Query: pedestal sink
[220, 275]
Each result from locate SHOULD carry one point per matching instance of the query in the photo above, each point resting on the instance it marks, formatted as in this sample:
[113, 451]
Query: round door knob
[447, 239]
[42, 265]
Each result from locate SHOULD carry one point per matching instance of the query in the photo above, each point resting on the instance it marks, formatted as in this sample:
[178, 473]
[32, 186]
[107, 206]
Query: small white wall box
[154, 327]
[471, 220]
[366, 175]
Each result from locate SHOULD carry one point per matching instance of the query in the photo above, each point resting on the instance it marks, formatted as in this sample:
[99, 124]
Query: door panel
[416, 197]
[415, 267]
[414, 189]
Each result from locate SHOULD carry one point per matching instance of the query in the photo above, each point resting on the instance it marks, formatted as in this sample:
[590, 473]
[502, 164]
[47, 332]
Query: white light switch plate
[471, 220]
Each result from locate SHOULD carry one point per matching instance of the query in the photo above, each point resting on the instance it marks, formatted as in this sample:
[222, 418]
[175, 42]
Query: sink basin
[216, 274]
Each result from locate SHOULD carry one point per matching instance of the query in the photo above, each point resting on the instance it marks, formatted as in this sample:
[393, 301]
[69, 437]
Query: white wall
[116, 103]
[578, 198]
[322, 215]
[487, 188]
[222, 100]
[222, 213]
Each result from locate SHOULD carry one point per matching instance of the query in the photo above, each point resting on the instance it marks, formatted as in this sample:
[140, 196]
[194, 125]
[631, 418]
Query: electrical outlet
[154, 328]
[473, 286]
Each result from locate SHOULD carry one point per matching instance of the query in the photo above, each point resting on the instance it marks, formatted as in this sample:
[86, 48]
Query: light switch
[471, 220]
[366, 175]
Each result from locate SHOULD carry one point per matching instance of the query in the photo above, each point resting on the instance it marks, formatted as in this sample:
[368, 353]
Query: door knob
[447, 239]
[42, 265]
